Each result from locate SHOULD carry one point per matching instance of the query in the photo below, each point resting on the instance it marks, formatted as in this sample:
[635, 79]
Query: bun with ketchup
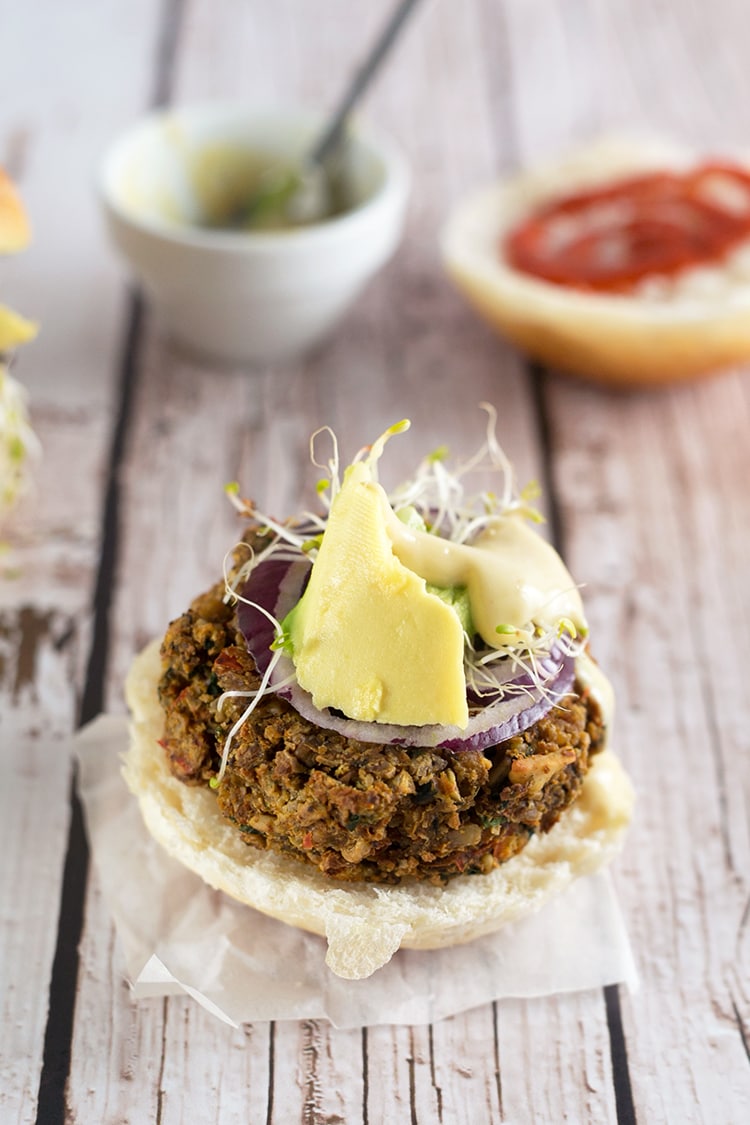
[627, 263]
[384, 724]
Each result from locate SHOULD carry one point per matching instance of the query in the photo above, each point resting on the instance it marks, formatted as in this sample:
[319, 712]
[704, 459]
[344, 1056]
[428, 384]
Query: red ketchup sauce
[610, 238]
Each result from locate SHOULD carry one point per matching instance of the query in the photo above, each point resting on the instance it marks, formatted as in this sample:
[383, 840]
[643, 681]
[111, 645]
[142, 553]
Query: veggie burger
[383, 724]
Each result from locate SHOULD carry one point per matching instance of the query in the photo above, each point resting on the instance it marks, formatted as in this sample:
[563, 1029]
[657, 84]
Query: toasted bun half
[688, 327]
[364, 924]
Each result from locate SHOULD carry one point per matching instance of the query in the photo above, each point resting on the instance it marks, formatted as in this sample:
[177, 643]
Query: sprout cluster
[18, 443]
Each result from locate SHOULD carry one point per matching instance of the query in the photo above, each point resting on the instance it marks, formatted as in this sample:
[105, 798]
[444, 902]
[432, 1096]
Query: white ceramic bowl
[233, 295]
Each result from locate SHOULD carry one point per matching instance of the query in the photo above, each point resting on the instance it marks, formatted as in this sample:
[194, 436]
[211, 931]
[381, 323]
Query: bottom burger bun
[364, 924]
[662, 333]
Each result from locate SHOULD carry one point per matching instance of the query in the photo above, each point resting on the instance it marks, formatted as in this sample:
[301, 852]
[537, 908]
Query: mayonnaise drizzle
[513, 577]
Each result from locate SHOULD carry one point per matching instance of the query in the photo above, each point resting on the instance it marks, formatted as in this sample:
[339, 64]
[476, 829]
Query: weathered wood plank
[38, 649]
[401, 1078]
[467, 1066]
[675, 596]
[318, 1073]
[124, 1055]
[231, 1072]
[50, 139]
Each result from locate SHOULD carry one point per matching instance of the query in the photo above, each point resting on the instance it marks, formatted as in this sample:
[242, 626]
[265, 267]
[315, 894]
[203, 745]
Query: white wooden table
[648, 498]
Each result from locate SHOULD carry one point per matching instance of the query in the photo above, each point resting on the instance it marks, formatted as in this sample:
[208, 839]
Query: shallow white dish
[233, 295]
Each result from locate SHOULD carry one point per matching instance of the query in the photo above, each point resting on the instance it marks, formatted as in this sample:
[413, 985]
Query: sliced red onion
[277, 585]
[493, 724]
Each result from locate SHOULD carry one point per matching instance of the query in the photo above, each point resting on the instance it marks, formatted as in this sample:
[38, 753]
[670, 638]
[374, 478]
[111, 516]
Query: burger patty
[360, 810]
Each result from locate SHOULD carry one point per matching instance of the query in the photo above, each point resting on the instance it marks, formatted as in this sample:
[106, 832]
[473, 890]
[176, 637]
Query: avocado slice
[368, 637]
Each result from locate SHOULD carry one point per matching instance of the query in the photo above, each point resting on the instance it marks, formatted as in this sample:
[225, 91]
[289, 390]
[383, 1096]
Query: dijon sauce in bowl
[175, 189]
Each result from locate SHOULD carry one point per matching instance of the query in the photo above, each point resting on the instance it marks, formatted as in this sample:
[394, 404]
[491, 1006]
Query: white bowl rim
[395, 185]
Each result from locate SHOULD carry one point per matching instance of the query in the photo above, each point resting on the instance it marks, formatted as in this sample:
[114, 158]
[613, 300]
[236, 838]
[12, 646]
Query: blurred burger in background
[17, 440]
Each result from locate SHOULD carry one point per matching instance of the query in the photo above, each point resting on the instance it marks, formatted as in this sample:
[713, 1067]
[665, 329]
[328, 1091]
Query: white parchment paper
[179, 936]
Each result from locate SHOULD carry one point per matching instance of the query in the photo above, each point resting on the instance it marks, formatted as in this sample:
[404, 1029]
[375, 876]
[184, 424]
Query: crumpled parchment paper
[180, 936]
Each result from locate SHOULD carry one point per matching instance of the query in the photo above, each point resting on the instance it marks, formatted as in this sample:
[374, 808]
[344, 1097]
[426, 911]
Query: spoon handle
[361, 80]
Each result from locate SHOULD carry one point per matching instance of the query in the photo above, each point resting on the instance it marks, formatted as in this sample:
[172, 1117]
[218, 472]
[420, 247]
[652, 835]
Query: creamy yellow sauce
[512, 575]
[224, 177]
[242, 189]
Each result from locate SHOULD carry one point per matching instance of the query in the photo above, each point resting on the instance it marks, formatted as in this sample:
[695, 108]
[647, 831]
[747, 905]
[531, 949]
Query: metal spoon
[304, 194]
